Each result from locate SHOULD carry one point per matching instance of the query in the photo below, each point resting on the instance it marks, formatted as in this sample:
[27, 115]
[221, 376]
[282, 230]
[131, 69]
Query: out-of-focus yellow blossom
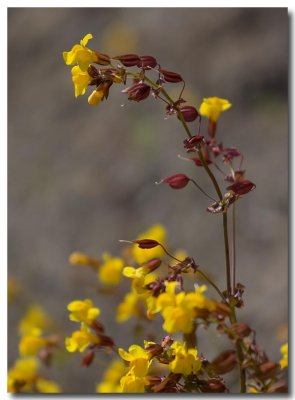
[83, 311]
[47, 386]
[81, 339]
[185, 361]
[23, 374]
[110, 272]
[196, 300]
[180, 254]
[80, 80]
[284, 360]
[138, 359]
[80, 54]
[34, 321]
[96, 97]
[156, 232]
[212, 107]
[13, 289]
[29, 345]
[131, 383]
[252, 389]
[111, 379]
[129, 307]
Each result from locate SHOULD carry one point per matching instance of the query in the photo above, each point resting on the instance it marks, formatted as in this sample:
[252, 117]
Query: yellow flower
[81, 339]
[80, 80]
[109, 273]
[177, 318]
[185, 361]
[128, 308]
[96, 97]
[131, 383]
[80, 54]
[156, 232]
[111, 379]
[22, 375]
[212, 107]
[29, 345]
[284, 360]
[34, 321]
[196, 300]
[138, 359]
[83, 311]
[47, 386]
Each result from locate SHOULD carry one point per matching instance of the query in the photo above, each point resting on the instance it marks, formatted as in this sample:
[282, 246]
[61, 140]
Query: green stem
[240, 355]
[212, 284]
[226, 247]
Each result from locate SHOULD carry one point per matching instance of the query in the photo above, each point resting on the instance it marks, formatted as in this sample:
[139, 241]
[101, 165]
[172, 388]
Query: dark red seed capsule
[177, 181]
[242, 187]
[189, 113]
[128, 60]
[138, 91]
[146, 243]
[147, 62]
[171, 77]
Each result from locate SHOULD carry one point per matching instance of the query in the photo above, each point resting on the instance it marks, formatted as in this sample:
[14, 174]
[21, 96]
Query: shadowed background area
[82, 177]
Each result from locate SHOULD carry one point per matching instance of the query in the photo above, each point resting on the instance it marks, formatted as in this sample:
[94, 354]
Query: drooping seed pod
[193, 142]
[147, 62]
[241, 329]
[138, 91]
[177, 181]
[88, 358]
[152, 264]
[128, 60]
[189, 113]
[212, 386]
[242, 187]
[267, 370]
[146, 243]
[171, 77]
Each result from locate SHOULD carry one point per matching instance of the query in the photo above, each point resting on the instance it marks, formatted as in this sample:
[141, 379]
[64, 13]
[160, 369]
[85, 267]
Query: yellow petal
[85, 39]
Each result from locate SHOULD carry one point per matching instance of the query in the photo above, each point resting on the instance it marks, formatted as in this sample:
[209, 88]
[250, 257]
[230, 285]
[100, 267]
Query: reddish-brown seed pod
[171, 77]
[177, 181]
[88, 358]
[193, 142]
[128, 60]
[198, 162]
[153, 264]
[154, 350]
[102, 59]
[146, 243]
[138, 91]
[241, 329]
[189, 113]
[242, 187]
[212, 386]
[225, 362]
[147, 62]
[267, 370]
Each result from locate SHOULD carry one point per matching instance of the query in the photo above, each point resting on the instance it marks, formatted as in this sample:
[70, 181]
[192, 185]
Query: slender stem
[226, 247]
[234, 245]
[211, 176]
[191, 338]
[239, 348]
[203, 191]
[212, 284]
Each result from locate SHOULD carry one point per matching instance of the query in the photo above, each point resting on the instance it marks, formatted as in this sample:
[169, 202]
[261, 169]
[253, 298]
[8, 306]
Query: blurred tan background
[81, 177]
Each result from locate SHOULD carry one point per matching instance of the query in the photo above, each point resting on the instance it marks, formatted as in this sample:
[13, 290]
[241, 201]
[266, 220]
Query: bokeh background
[82, 177]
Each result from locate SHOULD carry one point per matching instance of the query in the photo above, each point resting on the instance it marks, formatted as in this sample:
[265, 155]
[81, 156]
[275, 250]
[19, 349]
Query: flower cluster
[91, 335]
[34, 349]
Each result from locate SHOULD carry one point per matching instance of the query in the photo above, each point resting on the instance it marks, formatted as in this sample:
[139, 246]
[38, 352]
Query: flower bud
[147, 62]
[177, 181]
[138, 91]
[242, 187]
[101, 59]
[189, 113]
[225, 362]
[83, 259]
[128, 60]
[146, 243]
[171, 77]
